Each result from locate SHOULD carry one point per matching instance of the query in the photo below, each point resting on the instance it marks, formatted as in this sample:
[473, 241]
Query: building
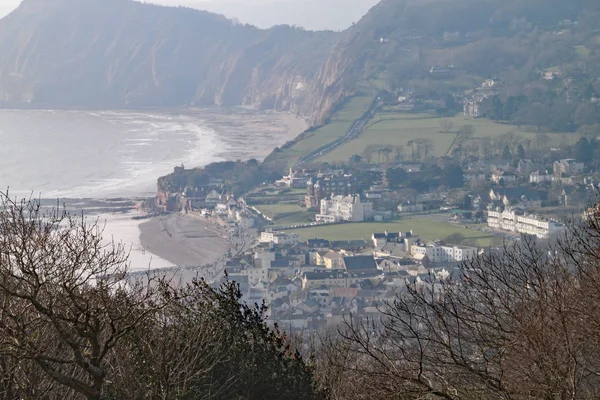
[526, 166]
[477, 105]
[536, 177]
[343, 208]
[442, 253]
[294, 180]
[360, 264]
[318, 189]
[442, 72]
[281, 238]
[567, 167]
[333, 260]
[517, 221]
[381, 239]
[407, 207]
[526, 197]
[318, 244]
[503, 219]
[506, 177]
[334, 278]
[490, 83]
[212, 198]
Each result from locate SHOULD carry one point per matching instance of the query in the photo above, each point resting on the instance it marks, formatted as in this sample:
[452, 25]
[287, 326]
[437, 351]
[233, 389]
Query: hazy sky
[311, 14]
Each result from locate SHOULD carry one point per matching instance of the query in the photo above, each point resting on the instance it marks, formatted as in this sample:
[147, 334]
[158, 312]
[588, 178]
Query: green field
[285, 214]
[427, 229]
[582, 51]
[398, 128]
[336, 128]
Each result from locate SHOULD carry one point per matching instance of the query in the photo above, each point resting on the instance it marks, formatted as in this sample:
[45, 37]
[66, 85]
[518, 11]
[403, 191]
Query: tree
[399, 153]
[355, 159]
[369, 152]
[412, 144]
[74, 324]
[586, 114]
[466, 132]
[66, 304]
[428, 147]
[455, 238]
[396, 177]
[584, 150]
[521, 322]
[386, 151]
[208, 344]
[521, 151]
[453, 176]
[446, 125]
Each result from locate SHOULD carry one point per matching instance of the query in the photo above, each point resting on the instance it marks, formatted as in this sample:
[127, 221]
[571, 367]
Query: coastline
[120, 227]
[184, 240]
[178, 240]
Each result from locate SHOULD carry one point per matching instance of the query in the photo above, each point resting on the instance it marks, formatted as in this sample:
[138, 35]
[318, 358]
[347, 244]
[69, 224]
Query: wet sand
[183, 240]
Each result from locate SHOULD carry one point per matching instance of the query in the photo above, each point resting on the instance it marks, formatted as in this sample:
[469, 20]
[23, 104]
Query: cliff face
[120, 53]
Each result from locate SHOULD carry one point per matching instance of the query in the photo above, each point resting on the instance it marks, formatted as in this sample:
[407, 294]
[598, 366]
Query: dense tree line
[431, 177]
[236, 176]
[553, 113]
[515, 323]
[75, 325]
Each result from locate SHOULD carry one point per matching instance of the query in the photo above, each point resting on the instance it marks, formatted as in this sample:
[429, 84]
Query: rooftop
[360, 263]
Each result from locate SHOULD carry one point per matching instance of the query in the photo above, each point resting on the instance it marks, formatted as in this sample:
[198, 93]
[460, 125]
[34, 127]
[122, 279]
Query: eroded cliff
[120, 53]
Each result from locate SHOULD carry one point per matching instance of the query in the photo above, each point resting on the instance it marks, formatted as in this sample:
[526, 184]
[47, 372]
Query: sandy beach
[121, 228]
[183, 240]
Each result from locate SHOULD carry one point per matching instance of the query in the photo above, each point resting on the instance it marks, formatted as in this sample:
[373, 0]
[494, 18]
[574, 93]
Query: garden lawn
[286, 214]
[427, 229]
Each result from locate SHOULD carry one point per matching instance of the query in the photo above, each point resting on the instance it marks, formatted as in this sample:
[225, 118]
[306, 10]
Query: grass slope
[336, 128]
[398, 128]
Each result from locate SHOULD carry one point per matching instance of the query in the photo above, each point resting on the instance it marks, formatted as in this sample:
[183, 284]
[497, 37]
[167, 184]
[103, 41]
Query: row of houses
[312, 284]
[528, 170]
[518, 221]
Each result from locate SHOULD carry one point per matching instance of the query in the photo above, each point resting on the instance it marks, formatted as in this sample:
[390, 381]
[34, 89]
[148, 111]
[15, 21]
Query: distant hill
[333, 15]
[120, 53]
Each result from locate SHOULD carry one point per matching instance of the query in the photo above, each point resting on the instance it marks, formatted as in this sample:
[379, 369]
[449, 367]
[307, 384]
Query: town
[317, 244]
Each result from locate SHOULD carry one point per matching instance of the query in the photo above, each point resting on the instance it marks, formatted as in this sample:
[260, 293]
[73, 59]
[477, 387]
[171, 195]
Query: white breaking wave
[71, 154]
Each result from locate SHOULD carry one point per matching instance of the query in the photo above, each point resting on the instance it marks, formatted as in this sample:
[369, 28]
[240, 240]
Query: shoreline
[184, 240]
[176, 240]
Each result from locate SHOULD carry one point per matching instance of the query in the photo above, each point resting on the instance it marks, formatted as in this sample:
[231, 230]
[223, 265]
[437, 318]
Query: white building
[517, 221]
[343, 208]
[536, 177]
[410, 208]
[442, 253]
[507, 177]
[282, 238]
[567, 167]
[502, 219]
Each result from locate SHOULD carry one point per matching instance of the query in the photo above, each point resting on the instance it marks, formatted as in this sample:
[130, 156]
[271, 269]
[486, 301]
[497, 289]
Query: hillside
[542, 58]
[120, 53]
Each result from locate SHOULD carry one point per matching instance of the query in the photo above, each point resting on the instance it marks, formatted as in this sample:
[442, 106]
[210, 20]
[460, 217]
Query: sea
[91, 154]
[73, 155]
